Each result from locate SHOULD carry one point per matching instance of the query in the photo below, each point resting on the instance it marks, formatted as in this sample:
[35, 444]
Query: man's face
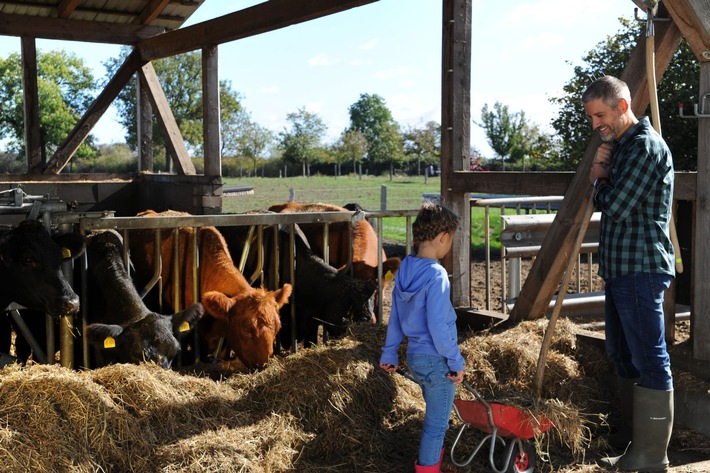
[608, 121]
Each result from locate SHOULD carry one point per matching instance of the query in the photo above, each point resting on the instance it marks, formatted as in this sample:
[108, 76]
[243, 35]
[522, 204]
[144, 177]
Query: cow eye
[27, 261]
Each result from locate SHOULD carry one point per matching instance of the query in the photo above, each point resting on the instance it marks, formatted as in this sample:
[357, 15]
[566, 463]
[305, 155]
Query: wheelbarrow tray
[510, 421]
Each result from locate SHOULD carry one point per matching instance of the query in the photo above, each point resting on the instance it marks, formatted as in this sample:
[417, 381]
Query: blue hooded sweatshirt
[422, 311]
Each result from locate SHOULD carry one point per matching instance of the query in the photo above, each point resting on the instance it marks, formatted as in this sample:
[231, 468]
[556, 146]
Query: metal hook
[696, 114]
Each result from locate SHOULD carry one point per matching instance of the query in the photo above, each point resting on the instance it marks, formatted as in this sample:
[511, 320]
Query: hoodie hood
[413, 275]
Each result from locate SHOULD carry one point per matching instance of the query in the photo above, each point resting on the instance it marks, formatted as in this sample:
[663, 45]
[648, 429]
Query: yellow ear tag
[109, 342]
[184, 327]
[66, 253]
[389, 276]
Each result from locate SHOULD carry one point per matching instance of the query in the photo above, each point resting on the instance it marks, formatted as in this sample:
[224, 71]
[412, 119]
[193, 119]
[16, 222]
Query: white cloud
[370, 44]
[321, 60]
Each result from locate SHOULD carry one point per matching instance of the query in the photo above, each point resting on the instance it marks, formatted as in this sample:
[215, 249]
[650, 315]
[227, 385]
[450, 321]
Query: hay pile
[326, 409]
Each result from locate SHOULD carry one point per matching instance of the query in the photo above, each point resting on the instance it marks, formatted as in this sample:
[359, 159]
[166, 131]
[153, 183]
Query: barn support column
[455, 137]
[210, 111]
[700, 325]
[144, 126]
[33, 140]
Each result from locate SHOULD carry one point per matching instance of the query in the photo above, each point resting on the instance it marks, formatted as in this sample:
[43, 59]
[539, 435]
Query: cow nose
[71, 306]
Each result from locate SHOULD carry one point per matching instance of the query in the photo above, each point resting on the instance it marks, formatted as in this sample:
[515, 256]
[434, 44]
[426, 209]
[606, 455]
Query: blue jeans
[430, 372]
[635, 328]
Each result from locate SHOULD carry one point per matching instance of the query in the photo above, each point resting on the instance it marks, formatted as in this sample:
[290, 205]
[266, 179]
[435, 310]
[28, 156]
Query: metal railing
[522, 233]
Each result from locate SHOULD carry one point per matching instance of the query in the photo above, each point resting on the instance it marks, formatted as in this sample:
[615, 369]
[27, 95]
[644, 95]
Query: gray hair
[609, 89]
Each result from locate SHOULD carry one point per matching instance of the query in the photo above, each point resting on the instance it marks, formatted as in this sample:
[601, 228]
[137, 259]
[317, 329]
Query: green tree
[371, 117]
[181, 79]
[350, 147]
[609, 57]
[65, 88]
[301, 142]
[505, 131]
[423, 145]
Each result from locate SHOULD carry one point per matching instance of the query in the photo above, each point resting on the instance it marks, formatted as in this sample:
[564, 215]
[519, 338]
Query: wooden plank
[82, 129]
[145, 126]
[545, 183]
[701, 254]
[546, 272]
[75, 30]
[693, 19]
[33, 140]
[263, 17]
[166, 120]
[151, 12]
[66, 8]
[455, 136]
[210, 111]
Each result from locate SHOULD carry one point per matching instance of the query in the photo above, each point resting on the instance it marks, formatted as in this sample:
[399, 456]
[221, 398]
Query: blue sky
[392, 48]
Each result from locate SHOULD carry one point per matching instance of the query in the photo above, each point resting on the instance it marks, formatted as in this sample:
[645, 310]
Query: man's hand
[388, 367]
[601, 163]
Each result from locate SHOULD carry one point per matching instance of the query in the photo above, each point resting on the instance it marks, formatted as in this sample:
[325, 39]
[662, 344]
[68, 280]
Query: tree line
[372, 143]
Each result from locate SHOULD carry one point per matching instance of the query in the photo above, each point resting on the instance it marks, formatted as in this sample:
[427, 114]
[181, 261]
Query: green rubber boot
[623, 426]
[652, 427]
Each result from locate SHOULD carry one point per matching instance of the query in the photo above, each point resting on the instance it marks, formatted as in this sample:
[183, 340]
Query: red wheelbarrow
[507, 425]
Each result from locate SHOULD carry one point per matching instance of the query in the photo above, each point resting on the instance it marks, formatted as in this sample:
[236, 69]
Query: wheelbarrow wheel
[523, 462]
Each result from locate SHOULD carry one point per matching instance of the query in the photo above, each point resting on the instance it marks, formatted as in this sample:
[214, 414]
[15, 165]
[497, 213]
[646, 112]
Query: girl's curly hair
[432, 219]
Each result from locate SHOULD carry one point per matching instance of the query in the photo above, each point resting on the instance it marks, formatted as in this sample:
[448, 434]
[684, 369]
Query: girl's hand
[389, 368]
[455, 377]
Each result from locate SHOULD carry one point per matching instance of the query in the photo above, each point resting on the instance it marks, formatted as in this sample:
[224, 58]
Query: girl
[422, 311]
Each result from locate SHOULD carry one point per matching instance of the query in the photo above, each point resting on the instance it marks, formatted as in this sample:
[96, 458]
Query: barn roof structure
[154, 28]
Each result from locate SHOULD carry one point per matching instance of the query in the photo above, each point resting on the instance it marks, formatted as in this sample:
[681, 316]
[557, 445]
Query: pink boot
[430, 468]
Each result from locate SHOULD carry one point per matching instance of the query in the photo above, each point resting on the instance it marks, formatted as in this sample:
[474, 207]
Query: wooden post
[211, 111]
[456, 138]
[144, 126]
[701, 256]
[33, 140]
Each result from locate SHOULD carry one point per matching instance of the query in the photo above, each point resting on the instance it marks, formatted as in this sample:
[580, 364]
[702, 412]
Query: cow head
[251, 319]
[31, 273]
[153, 338]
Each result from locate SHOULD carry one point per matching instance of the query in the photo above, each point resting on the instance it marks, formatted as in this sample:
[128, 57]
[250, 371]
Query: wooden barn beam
[145, 126]
[455, 137]
[166, 120]
[151, 12]
[76, 30]
[546, 272]
[693, 19]
[266, 16]
[701, 254]
[33, 137]
[546, 183]
[92, 115]
[66, 8]
[210, 112]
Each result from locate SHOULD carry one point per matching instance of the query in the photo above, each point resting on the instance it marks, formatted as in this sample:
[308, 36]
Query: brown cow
[364, 251]
[247, 317]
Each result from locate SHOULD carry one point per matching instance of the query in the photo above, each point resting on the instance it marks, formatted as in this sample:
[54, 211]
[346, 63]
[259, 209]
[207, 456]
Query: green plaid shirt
[636, 206]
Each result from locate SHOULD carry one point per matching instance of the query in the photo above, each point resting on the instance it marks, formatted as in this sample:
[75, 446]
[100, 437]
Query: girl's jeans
[635, 329]
[430, 372]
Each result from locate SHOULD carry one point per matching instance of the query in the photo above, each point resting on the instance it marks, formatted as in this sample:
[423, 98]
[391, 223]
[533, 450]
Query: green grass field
[402, 193]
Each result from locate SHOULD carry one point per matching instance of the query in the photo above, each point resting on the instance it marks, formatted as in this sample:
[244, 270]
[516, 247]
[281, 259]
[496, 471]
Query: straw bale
[328, 409]
[55, 419]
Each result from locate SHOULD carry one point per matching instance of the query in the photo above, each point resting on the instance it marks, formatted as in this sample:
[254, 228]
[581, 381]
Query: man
[632, 174]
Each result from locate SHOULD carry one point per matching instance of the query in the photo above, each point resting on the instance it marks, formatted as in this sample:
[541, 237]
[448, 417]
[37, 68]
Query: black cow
[323, 295]
[122, 329]
[31, 273]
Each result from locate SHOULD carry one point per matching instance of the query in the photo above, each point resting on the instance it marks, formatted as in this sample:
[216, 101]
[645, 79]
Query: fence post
[383, 198]
[292, 195]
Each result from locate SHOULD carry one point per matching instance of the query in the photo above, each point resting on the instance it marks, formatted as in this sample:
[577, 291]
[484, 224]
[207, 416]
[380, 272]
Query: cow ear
[217, 304]
[283, 294]
[73, 245]
[391, 265]
[186, 320]
[103, 336]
